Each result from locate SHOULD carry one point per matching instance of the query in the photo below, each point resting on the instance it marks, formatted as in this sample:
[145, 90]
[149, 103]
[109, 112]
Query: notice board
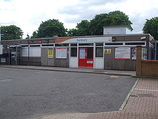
[50, 53]
[61, 52]
[122, 53]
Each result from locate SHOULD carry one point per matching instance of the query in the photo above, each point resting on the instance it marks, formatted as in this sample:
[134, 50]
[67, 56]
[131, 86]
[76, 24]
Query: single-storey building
[108, 51]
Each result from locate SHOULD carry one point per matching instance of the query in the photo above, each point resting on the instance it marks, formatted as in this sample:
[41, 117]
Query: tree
[151, 27]
[11, 32]
[83, 28]
[96, 24]
[72, 32]
[50, 28]
[34, 34]
[118, 18]
[114, 18]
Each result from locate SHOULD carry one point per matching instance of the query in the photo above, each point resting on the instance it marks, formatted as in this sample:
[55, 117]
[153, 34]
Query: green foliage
[50, 28]
[34, 34]
[11, 32]
[95, 26]
[151, 27]
[118, 18]
[72, 32]
[82, 29]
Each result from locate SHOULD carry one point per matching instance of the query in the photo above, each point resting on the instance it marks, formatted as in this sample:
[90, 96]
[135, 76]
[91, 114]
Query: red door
[86, 57]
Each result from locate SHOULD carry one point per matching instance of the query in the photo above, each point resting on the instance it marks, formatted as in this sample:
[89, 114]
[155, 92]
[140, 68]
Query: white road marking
[114, 76]
[5, 80]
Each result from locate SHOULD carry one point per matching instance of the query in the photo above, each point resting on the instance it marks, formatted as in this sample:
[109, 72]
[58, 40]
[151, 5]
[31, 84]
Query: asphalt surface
[26, 93]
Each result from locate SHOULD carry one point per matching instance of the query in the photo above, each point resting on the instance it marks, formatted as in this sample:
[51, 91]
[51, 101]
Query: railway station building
[114, 50]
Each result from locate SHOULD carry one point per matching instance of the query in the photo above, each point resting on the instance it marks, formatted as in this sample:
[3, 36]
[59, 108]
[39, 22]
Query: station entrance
[86, 57]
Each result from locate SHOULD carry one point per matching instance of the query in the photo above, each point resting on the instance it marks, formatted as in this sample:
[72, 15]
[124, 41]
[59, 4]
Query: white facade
[116, 30]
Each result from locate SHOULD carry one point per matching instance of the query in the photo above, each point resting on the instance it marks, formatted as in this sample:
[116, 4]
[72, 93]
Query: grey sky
[28, 14]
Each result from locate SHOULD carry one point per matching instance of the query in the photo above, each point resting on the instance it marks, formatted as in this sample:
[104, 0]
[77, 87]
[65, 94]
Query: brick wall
[149, 67]
[145, 67]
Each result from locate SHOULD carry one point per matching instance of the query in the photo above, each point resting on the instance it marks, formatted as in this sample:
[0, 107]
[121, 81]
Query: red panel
[89, 63]
[86, 57]
[82, 63]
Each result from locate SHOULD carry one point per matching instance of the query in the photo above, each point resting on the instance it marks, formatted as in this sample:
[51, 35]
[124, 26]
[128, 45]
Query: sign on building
[122, 53]
[107, 51]
[50, 53]
[61, 52]
[133, 53]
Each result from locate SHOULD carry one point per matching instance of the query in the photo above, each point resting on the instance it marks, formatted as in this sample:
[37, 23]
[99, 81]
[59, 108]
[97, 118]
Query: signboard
[84, 40]
[50, 53]
[122, 53]
[61, 52]
[144, 53]
[107, 51]
[133, 53]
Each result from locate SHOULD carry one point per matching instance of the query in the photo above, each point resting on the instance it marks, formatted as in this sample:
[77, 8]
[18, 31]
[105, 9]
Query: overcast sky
[28, 14]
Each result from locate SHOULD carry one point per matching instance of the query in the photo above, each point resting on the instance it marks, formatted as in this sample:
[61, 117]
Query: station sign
[84, 40]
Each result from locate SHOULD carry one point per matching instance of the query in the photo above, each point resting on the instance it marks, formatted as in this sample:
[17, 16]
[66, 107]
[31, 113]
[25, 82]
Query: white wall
[116, 30]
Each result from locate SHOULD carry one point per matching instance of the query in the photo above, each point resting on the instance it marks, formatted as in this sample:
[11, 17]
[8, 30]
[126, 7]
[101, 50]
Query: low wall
[145, 67]
[149, 67]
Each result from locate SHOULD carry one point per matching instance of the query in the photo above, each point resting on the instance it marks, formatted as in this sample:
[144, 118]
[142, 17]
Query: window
[99, 44]
[62, 44]
[34, 45]
[99, 51]
[136, 43]
[74, 44]
[113, 43]
[73, 52]
[47, 44]
[86, 44]
[89, 53]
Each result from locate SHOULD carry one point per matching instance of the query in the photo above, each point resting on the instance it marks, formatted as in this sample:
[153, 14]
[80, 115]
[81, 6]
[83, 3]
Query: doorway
[86, 57]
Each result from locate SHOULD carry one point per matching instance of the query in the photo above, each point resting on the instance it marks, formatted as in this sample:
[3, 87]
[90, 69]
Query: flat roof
[91, 36]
